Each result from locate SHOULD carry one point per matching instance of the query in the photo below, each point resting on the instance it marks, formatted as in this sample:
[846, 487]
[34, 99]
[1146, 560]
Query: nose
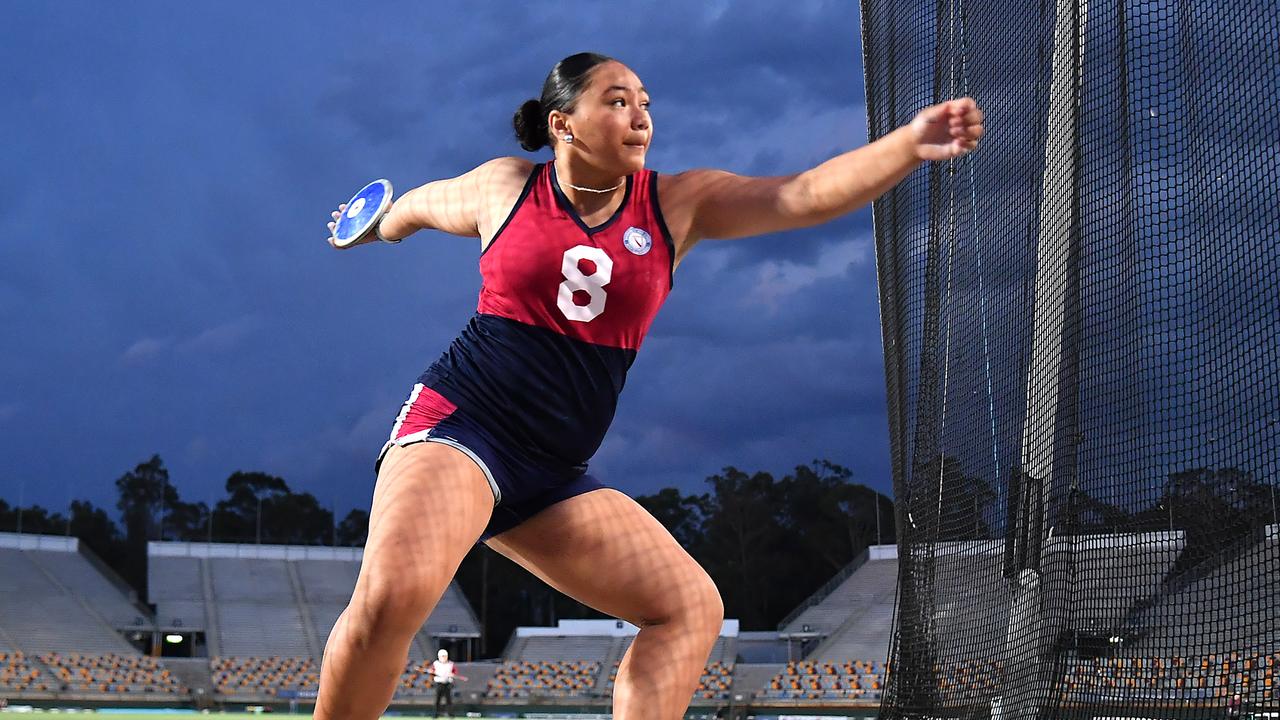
[639, 118]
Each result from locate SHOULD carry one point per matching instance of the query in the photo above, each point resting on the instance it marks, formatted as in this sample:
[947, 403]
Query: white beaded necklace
[593, 190]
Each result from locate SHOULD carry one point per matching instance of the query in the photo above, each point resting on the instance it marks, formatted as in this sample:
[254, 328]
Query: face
[443, 655]
[610, 122]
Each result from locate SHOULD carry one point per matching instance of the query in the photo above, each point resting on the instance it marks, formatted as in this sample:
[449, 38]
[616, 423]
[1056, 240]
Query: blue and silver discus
[363, 210]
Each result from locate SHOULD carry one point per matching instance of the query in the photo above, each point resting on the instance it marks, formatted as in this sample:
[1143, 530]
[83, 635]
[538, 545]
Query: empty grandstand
[850, 617]
[111, 674]
[54, 598]
[1245, 583]
[810, 680]
[266, 610]
[264, 601]
[70, 628]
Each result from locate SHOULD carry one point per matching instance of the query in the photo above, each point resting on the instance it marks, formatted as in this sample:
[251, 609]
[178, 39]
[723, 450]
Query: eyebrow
[624, 88]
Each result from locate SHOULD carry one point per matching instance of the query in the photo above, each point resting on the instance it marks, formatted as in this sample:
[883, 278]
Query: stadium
[1078, 326]
[252, 620]
[232, 627]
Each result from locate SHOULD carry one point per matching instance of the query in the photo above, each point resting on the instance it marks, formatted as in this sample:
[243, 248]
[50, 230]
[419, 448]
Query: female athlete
[576, 256]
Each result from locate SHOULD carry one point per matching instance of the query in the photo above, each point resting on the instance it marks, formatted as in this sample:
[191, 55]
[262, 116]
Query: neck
[584, 183]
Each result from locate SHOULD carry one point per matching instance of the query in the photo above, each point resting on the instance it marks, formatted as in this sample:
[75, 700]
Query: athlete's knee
[391, 609]
[693, 601]
[706, 606]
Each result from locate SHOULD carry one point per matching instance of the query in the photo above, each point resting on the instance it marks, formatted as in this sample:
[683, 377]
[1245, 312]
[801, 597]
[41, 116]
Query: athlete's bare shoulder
[679, 195]
[499, 183]
[506, 167]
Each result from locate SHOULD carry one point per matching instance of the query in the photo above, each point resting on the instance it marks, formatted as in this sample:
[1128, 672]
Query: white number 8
[593, 284]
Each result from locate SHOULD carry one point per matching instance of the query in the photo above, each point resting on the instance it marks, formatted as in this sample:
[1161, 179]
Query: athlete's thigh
[606, 551]
[430, 505]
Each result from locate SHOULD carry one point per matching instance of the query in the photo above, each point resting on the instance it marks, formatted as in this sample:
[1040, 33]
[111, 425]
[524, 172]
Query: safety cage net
[1082, 349]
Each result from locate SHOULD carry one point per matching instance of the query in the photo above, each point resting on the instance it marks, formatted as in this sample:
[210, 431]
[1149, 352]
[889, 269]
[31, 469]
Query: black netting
[1082, 343]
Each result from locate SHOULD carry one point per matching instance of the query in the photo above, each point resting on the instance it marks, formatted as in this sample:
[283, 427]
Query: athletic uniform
[529, 387]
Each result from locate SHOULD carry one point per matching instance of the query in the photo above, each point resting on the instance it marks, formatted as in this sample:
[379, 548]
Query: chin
[633, 164]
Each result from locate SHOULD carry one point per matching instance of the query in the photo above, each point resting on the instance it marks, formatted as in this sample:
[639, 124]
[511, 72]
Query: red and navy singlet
[562, 311]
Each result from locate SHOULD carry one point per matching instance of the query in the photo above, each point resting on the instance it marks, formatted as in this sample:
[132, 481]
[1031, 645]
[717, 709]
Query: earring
[568, 137]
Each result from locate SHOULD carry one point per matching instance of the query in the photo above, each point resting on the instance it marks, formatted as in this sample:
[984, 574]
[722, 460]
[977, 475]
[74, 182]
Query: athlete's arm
[463, 205]
[719, 204]
[458, 205]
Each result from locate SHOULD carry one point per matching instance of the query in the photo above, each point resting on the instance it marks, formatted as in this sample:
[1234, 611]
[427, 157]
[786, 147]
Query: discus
[363, 211]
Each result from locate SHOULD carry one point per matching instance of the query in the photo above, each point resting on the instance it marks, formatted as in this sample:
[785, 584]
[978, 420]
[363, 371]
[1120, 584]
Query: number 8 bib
[576, 280]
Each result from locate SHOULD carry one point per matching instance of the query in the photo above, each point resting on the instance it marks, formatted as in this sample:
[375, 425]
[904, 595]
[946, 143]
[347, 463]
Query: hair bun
[530, 123]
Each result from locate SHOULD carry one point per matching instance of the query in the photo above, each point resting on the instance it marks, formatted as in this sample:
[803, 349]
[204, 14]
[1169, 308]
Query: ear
[558, 123]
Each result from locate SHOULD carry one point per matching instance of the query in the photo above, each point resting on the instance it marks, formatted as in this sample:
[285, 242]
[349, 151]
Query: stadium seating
[810, 680]
[853, 619]
[263, 675]
[1112, 572]
[1242, 586]
[546, 678]
[273, 601]
[18, 675]
[971, 601]
[869, 585]
[269, 616]
[258, 628]
[716, 682]
[78, 577]
[176, 588]
[969, 681]
[558, 648]
[112, 674]
[42, 605]
[1214, 676]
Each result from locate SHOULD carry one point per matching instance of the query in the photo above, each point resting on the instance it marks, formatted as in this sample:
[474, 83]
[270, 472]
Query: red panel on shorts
[424, 409]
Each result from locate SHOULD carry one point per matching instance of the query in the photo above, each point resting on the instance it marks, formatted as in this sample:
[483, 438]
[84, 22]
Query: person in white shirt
[443, 673]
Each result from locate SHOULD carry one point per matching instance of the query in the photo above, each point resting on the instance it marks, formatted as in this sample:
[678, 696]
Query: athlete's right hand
[363, 240]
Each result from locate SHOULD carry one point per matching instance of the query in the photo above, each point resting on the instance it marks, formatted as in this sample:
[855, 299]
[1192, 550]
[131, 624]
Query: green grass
[64, 715]
[214, 715]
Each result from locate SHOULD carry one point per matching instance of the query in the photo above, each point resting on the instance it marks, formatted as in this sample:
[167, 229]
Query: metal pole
[878, 540]
[1049, 431]
[258, 530]
[164, 489]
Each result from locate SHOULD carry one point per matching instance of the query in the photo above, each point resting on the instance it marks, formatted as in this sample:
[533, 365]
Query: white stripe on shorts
[404, 409]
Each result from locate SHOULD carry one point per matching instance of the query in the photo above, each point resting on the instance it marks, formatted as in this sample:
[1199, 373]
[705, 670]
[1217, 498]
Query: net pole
[1049, 434]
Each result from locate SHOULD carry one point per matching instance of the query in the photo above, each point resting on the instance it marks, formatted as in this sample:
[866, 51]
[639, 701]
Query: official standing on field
[443, 674]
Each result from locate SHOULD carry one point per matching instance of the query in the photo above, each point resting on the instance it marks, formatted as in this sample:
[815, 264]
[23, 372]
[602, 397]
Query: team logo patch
[637, 241]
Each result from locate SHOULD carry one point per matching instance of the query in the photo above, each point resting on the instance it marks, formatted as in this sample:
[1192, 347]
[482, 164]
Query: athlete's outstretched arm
[459, 205]
[718, 204]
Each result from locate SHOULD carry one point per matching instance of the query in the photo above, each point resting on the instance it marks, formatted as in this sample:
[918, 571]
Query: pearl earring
[568, 137]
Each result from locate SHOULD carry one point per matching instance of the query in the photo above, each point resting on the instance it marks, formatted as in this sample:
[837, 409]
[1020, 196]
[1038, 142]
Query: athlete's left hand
[947, 130]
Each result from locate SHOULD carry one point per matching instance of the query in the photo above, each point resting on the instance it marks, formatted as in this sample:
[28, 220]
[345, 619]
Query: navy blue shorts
[521, 487]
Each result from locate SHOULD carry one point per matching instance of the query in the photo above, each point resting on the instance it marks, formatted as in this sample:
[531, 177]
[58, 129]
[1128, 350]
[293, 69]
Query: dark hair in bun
[561, 90]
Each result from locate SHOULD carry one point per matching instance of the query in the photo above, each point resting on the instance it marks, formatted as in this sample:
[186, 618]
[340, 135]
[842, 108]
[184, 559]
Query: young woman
[576, 256]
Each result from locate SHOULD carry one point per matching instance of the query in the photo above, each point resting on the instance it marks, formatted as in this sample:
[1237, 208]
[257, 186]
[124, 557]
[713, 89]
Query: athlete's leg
[606, 551]
[430, 506]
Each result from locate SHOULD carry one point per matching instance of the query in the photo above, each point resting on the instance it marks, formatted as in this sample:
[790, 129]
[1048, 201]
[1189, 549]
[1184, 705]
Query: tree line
[768, 542]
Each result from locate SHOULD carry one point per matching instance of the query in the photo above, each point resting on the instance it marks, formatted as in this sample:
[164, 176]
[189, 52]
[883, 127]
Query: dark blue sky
[165, 286]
